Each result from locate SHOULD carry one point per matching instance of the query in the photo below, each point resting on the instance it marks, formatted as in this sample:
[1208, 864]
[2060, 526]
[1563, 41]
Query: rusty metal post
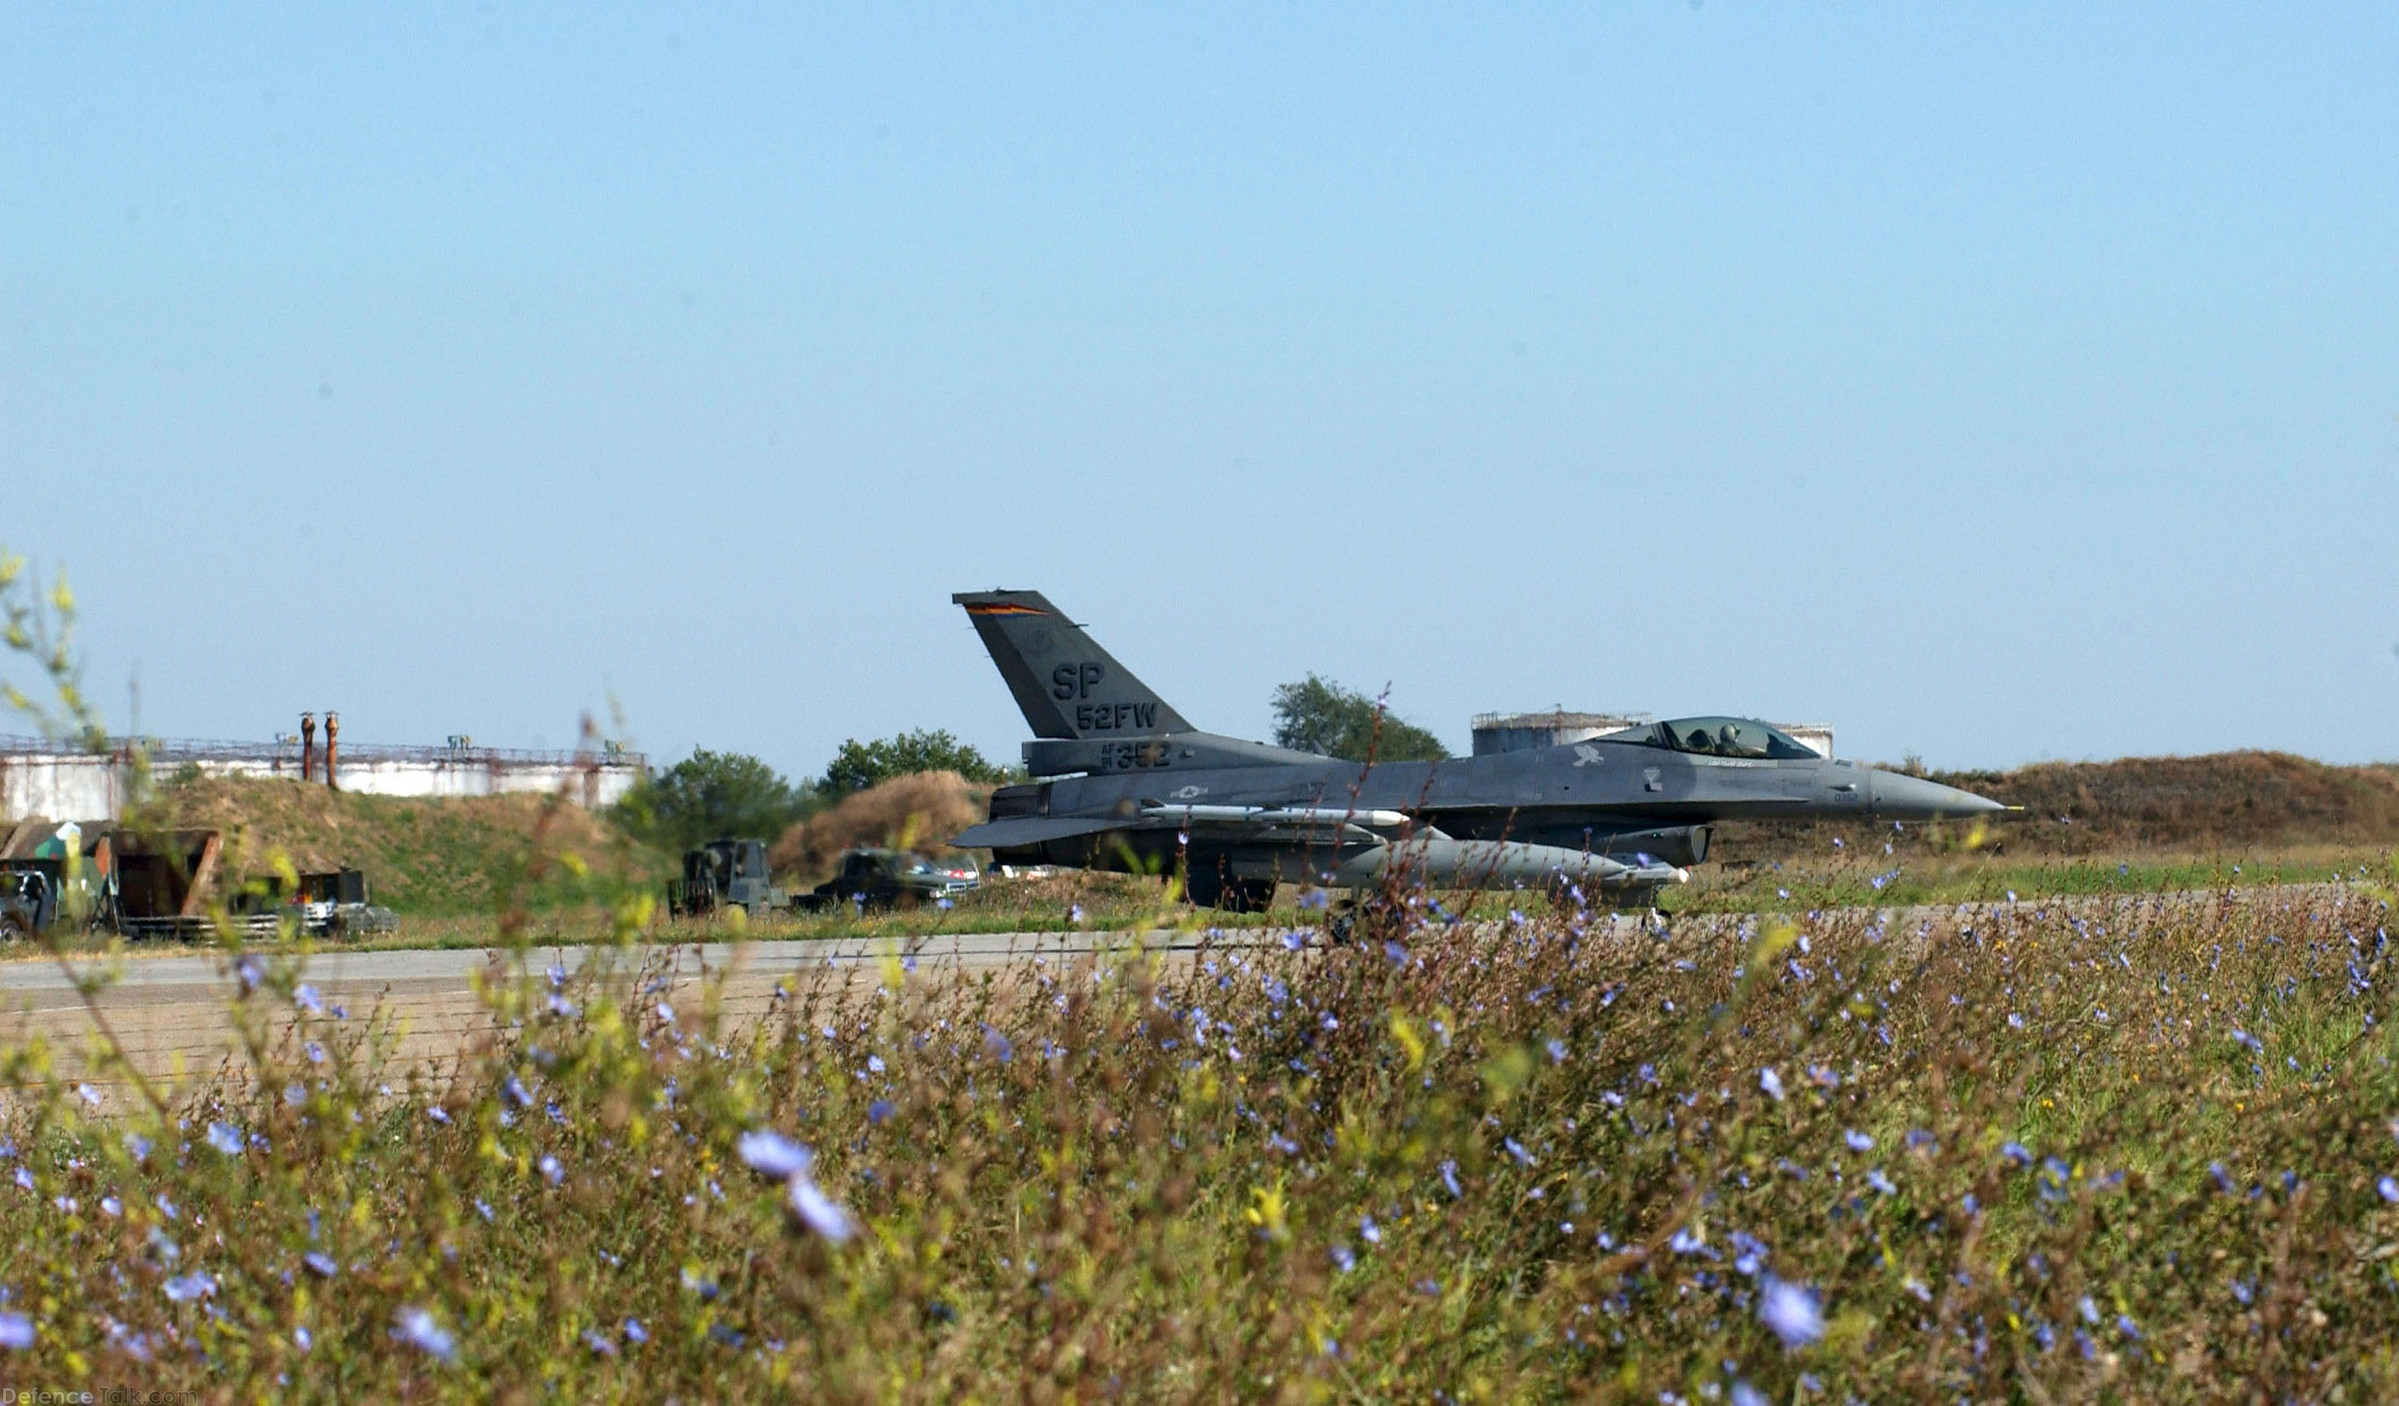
[333, 725]
[308, 746]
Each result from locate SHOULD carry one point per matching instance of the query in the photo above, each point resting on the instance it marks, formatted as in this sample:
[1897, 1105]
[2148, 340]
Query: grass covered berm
[2230, 802]
[425, 856]
[2129, 1151]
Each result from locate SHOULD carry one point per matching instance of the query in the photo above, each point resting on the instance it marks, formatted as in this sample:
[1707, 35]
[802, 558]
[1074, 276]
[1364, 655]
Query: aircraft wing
[1266, 822]
[1022, 830]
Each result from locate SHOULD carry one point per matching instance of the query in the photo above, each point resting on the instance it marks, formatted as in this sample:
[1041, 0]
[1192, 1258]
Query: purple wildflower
[415, 1326]
[819, 1211]
[775, 1155]
[198, 1284]
[772, 1154]
[1791, 1313]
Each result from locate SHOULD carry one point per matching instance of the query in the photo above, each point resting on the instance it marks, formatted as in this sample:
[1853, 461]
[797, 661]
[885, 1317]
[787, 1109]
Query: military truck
[335, 902]
[725, 874]
[52, 871]
[884, 878]
[325, 903]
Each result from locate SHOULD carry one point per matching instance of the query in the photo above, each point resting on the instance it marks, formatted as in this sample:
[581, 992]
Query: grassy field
[2065, 1157]
[1862, 876]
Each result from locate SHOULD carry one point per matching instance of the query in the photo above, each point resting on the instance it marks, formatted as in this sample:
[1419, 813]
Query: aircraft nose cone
[1898, 796]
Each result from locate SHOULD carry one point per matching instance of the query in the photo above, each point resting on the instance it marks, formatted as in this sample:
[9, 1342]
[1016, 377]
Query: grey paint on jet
[1126, 783]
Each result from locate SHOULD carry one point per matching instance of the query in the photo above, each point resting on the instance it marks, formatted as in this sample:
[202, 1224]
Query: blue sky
[1997, 384]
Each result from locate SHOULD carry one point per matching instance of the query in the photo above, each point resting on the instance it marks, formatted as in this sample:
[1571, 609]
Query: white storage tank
[1524, 732]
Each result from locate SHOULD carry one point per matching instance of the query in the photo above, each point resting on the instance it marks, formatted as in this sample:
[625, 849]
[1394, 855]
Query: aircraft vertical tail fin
[1067, 686]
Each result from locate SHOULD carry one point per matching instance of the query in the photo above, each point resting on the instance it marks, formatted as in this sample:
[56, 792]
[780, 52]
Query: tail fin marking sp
[1066, 685]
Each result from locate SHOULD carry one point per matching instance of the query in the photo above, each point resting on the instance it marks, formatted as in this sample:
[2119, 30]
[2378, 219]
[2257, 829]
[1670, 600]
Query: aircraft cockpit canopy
[1724, 737]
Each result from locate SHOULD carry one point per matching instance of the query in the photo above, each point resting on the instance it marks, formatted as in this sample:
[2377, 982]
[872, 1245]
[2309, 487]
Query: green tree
[859, 765]
[1318, 715]
[712, 794]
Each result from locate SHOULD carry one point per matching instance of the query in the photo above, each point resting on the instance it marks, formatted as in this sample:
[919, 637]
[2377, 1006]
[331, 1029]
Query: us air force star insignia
[1185, 793]
[1587, 755]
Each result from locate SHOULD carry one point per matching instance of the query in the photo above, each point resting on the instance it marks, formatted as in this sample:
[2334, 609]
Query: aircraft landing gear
[1209, 887]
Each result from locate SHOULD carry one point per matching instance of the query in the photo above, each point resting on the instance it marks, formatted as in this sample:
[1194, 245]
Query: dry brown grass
[2228, 803]
[2232, 800]
[910, 812]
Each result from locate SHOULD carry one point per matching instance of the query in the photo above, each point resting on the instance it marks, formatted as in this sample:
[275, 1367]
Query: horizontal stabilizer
[1018, 831]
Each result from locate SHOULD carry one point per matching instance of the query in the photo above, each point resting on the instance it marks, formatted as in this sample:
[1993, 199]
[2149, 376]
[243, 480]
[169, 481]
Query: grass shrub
[2129, 1152]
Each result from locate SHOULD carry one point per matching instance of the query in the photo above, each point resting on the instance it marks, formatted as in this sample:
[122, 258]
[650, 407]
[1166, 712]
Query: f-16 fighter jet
[1123, 782]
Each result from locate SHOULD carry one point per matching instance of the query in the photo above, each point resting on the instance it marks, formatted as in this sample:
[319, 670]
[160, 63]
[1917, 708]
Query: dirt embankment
[909, 812]
[2231, 801]
[423, 855]
[449, 855]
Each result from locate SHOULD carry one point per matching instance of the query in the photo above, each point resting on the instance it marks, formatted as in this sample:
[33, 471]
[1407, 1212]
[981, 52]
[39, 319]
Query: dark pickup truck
[887, 878]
